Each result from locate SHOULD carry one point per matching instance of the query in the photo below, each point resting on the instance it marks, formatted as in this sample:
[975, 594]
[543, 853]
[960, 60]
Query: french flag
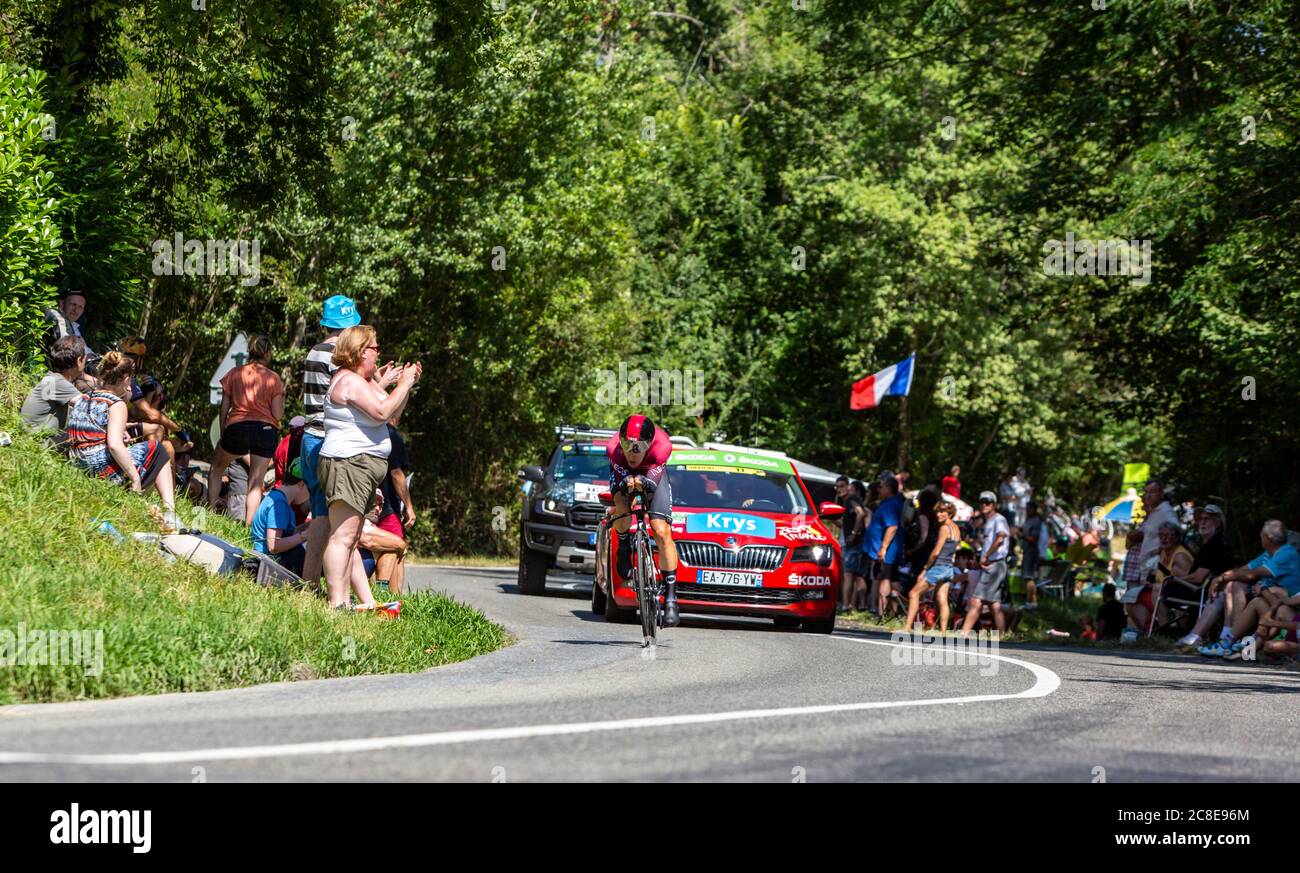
[893, 381]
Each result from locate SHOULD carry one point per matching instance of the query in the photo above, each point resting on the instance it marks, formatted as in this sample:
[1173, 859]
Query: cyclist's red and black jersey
[652, 466]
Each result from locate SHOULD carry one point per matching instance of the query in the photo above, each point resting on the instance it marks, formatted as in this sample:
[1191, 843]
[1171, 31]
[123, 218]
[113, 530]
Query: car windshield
[717, 488]
[583, 463]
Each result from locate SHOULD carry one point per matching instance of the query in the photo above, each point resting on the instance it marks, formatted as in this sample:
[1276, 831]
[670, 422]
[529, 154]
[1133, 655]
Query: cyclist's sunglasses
[635, 447]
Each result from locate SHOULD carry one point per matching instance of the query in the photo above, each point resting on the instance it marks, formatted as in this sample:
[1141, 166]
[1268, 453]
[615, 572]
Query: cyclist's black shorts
[661, 504]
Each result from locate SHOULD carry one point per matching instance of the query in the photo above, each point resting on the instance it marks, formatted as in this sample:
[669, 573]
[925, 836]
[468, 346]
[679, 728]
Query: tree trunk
[148, 307]
[984, 445]
[189, 351]
[299, 334]
[904, 416]
[904, 435]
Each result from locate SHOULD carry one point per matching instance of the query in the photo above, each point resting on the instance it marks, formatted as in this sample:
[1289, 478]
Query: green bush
[29, 239]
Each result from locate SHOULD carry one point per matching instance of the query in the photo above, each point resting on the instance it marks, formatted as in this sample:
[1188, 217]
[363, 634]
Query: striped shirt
[316, 376]
[88, 429]
[1132, 573]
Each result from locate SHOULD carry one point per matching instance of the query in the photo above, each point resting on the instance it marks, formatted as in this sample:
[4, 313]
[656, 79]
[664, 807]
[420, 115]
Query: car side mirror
[532, 474]
[830, 510]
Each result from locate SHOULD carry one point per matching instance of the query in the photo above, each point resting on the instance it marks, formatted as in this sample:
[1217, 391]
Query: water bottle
[107, 528]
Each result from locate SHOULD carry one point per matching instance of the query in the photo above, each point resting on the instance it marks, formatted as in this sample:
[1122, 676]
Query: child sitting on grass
[964, 576]
[1089, 632]
[1110, 617]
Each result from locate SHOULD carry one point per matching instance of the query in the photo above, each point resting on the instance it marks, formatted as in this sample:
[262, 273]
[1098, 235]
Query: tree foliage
[783, 199]
[29, 236]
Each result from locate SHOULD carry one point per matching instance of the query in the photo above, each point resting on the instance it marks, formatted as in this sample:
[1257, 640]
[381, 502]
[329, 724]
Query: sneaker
[1215, 650]
[1029, 607]
[1189, 641]
[1235, 650]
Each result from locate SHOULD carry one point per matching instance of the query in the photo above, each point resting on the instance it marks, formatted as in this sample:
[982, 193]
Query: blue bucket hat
[340, 312]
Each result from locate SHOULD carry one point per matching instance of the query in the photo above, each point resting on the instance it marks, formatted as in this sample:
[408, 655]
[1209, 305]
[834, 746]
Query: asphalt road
[731, 700]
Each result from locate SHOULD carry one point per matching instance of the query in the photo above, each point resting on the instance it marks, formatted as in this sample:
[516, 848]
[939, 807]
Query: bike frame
[645, 576]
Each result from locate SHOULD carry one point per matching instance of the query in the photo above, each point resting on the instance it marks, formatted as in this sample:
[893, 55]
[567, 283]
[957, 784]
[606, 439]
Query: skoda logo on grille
[731, 541]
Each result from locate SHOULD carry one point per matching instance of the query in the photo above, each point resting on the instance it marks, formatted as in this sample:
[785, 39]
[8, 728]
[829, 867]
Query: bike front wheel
[647, 592]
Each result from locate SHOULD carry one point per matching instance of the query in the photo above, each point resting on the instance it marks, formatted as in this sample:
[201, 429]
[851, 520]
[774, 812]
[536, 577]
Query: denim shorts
[310, 455]
[854, 561]
[939, 574]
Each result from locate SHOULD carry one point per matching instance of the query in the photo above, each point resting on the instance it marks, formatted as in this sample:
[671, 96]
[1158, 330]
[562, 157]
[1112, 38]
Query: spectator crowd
[925, 554]
[325, 494]
[929, 558]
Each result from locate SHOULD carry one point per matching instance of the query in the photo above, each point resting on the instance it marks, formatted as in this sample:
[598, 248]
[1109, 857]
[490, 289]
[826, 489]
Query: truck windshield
[583, 463]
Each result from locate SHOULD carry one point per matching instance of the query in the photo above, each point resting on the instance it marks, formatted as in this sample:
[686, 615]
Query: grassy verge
[467, 560]
[1052, 614]
[171, 626]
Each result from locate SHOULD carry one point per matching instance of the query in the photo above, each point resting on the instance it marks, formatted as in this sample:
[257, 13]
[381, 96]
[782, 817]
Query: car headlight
[550, 506]
[819, 555]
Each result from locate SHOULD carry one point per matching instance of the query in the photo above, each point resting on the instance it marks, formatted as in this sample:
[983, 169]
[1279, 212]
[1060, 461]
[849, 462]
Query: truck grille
[728, 594]
[714, 556]
[586, 515]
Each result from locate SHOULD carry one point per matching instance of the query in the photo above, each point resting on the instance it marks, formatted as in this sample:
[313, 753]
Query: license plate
[591, 539]
[727, 577]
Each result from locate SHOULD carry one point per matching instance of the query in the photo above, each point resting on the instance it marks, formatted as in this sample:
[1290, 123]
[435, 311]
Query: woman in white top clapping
[354, 456]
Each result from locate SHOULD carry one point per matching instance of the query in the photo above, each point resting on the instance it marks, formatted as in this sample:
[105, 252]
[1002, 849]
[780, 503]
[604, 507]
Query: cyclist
[637, 459]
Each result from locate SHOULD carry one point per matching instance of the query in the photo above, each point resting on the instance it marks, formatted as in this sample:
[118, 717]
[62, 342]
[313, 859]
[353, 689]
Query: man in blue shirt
[993, 562]
[883, 544]
[274, 531]
[1271, 580]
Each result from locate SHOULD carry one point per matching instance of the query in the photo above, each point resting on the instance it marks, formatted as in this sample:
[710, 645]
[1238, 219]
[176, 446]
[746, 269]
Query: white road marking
[1045, 682]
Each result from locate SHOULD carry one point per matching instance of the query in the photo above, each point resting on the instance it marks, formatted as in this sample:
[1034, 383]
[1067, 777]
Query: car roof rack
[581, 431]
[578, 431]
[727, 447]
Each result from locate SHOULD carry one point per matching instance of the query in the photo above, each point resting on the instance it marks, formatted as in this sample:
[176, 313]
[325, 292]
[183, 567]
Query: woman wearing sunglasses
[637, 459]
[354, 455]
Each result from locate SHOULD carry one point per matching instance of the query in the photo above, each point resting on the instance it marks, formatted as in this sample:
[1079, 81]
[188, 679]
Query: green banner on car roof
[730, 459]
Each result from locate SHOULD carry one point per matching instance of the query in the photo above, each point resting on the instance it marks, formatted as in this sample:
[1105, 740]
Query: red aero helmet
[636, 434]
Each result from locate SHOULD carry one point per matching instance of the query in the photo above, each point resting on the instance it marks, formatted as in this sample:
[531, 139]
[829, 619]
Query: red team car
[749, 542]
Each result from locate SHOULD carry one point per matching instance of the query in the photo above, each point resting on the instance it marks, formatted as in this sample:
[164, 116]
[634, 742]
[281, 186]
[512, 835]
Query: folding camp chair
[1060, 579]
[1179, 609]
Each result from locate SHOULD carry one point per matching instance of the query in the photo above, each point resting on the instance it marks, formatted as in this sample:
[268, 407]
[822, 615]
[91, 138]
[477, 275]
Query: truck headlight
[550, 506]
[819, 555]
